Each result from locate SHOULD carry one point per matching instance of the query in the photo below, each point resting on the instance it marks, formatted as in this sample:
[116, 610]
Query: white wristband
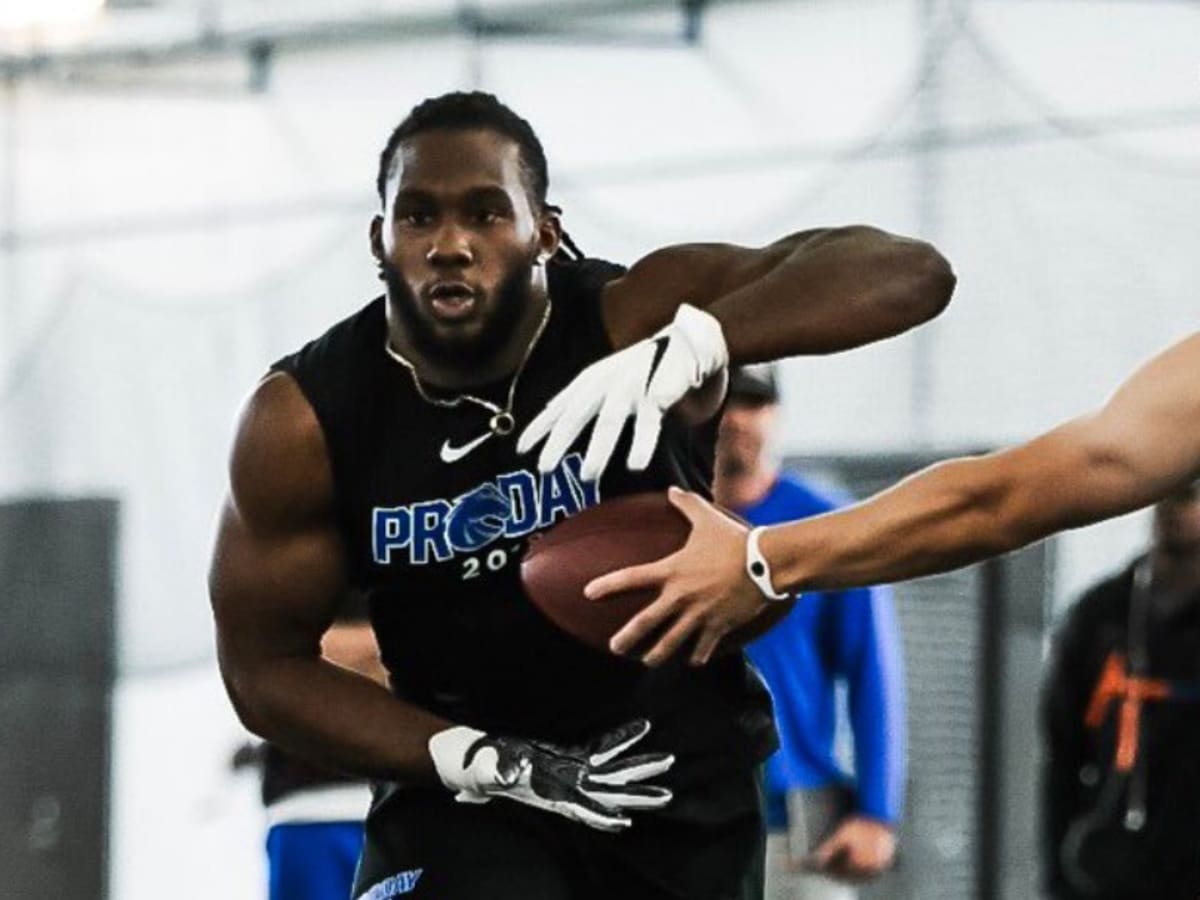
[758, 570]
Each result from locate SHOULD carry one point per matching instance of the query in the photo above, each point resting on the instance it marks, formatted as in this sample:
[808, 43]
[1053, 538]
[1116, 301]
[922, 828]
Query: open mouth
[451, 300]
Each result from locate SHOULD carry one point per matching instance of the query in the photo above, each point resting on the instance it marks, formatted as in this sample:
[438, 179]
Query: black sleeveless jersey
[436, 546]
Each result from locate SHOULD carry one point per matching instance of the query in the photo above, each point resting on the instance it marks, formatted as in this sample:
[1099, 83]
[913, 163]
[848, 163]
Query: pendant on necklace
[502, 423]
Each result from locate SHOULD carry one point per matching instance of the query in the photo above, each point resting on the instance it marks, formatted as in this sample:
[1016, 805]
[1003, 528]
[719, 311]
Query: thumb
[692, 505]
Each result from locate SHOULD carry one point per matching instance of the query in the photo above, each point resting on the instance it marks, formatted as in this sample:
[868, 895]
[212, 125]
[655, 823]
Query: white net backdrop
[168, 233]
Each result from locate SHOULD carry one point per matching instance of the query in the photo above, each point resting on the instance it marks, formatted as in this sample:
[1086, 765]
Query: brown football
[624, 531]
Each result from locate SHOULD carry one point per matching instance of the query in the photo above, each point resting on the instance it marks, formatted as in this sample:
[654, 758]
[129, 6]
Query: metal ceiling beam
[539, 19]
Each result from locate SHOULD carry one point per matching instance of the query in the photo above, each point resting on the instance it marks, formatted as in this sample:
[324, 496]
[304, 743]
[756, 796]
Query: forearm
[945, 517]
[334, 717]
[832, 291]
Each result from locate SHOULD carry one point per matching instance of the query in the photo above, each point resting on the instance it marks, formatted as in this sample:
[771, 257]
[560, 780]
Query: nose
[450, 248]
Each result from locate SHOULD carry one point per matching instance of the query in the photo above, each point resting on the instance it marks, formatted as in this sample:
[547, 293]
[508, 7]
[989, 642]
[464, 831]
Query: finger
[820, 857]
[570, 423]
[636, 768]
[642, 625]
[839, 870]
[465, 796]
[691, 504]
[685, 626]
[646, 428]
[633, 796]
[618, 740]
[605, 433]
[647, 575]
[707, 643]
[842, 868]
[670, 384]
[543, 421]
[587, 811]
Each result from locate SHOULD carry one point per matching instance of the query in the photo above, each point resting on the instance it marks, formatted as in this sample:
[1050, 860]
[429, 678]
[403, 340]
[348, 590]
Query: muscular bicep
[274, 593]
[278, 569]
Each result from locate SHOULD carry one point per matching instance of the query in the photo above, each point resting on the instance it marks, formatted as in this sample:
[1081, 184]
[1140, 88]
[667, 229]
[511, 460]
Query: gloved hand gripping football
[587, 784]
[643, 380]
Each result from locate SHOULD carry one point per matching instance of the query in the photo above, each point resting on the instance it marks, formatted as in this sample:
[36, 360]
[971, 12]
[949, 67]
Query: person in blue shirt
[827, 828]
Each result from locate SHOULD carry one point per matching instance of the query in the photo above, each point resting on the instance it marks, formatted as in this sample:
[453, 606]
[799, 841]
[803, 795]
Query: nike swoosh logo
[451, 454]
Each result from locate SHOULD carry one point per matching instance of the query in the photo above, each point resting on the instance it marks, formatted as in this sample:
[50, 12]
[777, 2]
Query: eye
[414, 218]
[488, 215]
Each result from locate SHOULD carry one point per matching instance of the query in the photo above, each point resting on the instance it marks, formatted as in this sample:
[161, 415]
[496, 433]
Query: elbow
[245, 708]
[918, 281]
[240, 688]
[929, 282]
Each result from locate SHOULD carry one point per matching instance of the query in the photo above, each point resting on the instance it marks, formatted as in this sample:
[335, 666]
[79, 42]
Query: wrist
[790, 561]
[758, 568]
[704, 335]
[449, 749]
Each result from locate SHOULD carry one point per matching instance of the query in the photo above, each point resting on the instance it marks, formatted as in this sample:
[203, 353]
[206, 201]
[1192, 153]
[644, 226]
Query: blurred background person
[315, 816]
[1121, 790]
[827, 828]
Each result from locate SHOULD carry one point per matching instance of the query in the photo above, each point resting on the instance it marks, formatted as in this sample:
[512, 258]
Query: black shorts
[423, 844]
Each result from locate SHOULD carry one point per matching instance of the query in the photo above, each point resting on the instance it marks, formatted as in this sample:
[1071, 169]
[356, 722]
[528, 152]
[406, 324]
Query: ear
[376, 237]
[549, 234]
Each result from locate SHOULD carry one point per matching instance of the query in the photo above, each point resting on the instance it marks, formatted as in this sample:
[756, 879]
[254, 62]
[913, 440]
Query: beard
[509, 302]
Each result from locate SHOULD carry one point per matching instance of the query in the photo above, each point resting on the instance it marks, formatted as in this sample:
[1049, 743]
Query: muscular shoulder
[334, 368]
[279, 468]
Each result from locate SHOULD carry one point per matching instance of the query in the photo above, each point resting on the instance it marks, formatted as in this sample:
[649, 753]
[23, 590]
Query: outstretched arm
[817, 291]
[1143, 443]
[683, 313]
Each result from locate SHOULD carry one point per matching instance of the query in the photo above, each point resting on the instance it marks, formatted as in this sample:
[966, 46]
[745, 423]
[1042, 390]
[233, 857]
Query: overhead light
[36, 15]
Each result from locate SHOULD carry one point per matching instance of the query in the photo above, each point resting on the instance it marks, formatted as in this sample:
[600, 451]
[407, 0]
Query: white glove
[645, 379]
[585, 784]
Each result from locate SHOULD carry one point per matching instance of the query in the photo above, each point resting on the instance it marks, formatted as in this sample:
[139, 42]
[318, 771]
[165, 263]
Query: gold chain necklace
[502, 421]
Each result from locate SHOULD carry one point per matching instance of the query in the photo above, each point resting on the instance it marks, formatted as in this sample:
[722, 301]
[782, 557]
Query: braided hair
[477, 109]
